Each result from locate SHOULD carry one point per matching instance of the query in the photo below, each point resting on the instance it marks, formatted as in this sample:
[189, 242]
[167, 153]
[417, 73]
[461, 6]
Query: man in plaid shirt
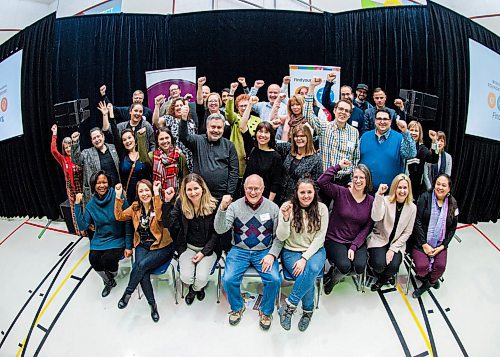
[337, 139]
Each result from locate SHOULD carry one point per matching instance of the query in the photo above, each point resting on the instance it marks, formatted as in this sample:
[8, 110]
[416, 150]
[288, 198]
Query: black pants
[336, 253]
[105, 260]
[378, 262]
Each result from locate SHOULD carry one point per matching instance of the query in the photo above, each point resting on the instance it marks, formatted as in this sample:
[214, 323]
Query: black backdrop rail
[423, 48]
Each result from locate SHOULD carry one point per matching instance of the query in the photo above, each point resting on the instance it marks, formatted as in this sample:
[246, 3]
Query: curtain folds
[421, 48]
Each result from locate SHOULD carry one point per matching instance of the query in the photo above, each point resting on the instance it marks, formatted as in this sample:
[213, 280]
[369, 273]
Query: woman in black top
[193, 219]
[262, 159]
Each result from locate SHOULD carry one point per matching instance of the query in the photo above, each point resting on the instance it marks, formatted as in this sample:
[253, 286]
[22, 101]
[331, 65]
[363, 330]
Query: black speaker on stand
[419, 106]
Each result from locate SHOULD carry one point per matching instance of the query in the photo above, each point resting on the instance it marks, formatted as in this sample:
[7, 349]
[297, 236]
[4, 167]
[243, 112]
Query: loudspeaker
[419, 106]
[68, 218]
[72, 113]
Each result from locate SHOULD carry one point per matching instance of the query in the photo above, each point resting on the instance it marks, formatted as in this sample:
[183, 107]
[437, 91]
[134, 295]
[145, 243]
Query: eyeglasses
[343, 110]
[253, 189]
[383, 119]
[213, 101]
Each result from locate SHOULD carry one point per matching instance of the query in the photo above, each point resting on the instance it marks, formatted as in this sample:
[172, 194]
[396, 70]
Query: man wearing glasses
[337, 139]
[384, 150]
[253, 220]
[175, 92]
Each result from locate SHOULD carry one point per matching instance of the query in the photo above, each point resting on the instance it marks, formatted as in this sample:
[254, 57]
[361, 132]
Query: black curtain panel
[30, 182]
[476, 161]
[421, 48]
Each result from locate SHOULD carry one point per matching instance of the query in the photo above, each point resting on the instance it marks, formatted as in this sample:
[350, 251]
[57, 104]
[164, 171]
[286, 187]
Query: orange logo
[3, 104]
[491, 100]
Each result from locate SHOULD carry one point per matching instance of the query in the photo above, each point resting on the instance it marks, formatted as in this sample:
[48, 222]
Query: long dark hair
[312, 212]
[452, 202]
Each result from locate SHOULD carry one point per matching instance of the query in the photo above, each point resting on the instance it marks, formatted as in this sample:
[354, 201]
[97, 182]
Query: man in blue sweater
[253, 220]
[384, 150]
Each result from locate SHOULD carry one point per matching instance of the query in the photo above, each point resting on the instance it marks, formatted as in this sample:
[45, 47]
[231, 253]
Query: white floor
[47, 283]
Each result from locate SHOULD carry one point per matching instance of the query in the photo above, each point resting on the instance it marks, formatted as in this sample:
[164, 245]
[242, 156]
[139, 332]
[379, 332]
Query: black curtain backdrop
[421, 48]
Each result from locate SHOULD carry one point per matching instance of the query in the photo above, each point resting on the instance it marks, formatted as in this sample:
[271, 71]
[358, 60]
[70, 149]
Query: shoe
[200, 295]
[190, 296]
[392, 280]
[235, 316]
[327, 277]
[124, 301]
[336, 277]
[154, 313]
[285, 313]
[304, 320]
[265, 321]
[107, 287]
[436, 285]
[376, 286]
[422, 289]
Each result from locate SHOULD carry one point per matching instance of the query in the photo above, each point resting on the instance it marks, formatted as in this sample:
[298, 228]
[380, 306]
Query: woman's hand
[127, 252]
[54, 130]
[350, 255]
[75, 137]
[382, 189]
[159, 100]
[436, 251]
[344, 163]
[103, 108]
[428, 249]
[286, 210]
[168, 194]
[299, 266]
[78, 198]
[197, 257]
[156, 188]
[389, 256]
[119, 190]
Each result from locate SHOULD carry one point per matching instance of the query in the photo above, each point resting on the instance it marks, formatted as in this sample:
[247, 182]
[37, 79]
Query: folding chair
[158, 272]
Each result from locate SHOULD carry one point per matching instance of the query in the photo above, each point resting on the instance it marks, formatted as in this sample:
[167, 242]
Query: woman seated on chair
[193, 219]
[394, 216]
[350, 222]
[435, 225]
[302, 225]
[111, 239]
[152, 243]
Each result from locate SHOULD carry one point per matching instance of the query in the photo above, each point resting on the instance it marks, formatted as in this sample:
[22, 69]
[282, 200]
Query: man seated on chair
[254, 220]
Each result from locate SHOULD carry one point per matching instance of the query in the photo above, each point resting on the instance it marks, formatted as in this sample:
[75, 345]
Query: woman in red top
[72, 172]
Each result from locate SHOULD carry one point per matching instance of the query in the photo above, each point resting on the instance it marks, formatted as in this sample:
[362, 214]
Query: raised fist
[287, 79]
[258, 83]
[433, 136]
[282, 96]
[54, 129]
[141, 131]
[202, 81]
[168, 194]
[188, 97]
[242, 81]
[102, 90]
[78, 198]
[75, 136]
[159, 99]
[254, 100]
[185, 111]
[402, 126]
[118, 190]
[156, 187]
[330, 77]
[382, 189]
[399, 103]
[344, 163]
[316, 81]
[234, 86]
[286, 210]
[225, 202]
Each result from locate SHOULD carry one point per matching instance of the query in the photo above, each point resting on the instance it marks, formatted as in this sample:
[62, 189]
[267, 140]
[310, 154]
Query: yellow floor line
[424, 335]
[52, 298]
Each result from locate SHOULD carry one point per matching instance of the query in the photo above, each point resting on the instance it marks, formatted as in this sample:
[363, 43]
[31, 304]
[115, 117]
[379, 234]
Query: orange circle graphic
[3, 104]
[491, 100]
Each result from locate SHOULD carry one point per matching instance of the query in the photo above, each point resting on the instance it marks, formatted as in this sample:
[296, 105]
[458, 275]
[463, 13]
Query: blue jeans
[237, 262]
[145, 261]
[303, 289]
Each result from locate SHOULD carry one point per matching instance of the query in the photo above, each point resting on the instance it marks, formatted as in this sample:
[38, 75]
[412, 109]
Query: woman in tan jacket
[152, 243]
[394, 216]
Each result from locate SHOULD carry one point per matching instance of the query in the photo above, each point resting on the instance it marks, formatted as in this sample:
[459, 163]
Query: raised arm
[199, 91]
[224, 218]
[325, 181]
[378, 208]
[312, 119]
[76, 154]
[156, 112]
[325, 97]
[53, 146]
[246, 114]
[231, 116]
[145, 156]
[408, 148]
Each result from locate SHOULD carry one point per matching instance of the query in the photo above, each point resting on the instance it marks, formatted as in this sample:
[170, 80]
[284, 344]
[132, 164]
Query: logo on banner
[492, 100]
[3, 104]
[319, 94]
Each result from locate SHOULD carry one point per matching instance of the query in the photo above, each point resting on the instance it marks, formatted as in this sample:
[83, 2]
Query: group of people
[261, 182]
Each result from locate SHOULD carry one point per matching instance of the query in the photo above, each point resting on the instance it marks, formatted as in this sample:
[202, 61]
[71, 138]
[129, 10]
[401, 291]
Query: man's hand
[202, 81]
[287, 79]
[254, 100]
[102, 90]
[350, 255]
[267, 263]
[159, 100]
[433, 135]
[127, 253]
[75, 137]
[402, 126]
[197, 257]
[242, 81]
[225, 202]
[103, 108]
[168, 194]
[330, 77]
[315, 81]
[399, 103]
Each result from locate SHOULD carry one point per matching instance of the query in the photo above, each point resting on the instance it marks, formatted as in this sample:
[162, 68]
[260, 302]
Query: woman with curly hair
[302, 225]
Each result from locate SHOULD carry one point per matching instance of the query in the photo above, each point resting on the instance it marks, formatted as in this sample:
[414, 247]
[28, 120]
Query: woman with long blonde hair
[394, 217]
[193, 219]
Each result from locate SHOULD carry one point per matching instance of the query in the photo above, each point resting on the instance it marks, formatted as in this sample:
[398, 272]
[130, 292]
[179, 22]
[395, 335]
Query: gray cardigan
[88, 159]
[428, 170]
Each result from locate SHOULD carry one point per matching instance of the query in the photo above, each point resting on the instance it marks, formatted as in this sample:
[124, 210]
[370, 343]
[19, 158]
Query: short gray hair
[216, 116]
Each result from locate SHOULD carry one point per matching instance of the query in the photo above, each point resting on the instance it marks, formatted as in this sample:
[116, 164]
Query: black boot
[200, 295]
[190, 295]
[124, 301]
[336, 277]
[109, 282]
[422, 289]
[154, 312]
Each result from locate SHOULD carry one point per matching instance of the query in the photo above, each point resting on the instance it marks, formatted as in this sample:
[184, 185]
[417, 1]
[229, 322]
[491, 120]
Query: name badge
[350, 145]
[265, 217]
[456, 212]
[355, 124]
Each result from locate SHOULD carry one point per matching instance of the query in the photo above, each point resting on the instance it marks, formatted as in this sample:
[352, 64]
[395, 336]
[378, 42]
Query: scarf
[437, 225]
[441, 169]
[165, 167]
[296, 120]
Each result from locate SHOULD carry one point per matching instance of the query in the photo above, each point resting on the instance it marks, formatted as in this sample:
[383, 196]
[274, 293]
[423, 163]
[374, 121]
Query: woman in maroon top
[72, 172]
[350, 222]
